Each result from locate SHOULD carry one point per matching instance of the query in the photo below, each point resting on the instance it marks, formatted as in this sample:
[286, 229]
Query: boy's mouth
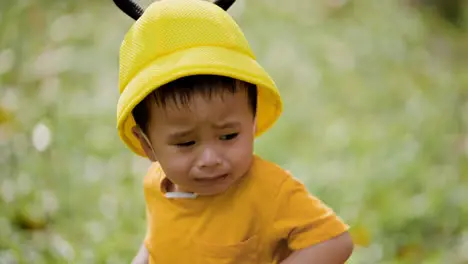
[212, 179]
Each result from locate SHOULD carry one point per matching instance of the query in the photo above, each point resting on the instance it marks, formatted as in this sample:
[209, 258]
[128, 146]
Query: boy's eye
[229, 136]
[185, 144]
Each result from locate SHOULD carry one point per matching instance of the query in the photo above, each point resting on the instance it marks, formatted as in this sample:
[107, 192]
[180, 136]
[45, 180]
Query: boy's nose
[208, 159]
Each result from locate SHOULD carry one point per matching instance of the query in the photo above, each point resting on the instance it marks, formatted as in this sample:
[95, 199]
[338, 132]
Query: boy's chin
[211, 189]
[217, 189]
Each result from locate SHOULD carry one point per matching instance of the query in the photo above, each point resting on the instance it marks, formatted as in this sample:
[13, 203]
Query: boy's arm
[334, 251]
[312, 230]
[142, 256]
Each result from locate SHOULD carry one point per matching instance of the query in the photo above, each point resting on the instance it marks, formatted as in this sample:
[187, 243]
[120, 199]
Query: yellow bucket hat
[177, 38]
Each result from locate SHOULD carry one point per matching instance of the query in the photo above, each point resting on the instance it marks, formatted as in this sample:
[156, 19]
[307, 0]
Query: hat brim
[195, 61]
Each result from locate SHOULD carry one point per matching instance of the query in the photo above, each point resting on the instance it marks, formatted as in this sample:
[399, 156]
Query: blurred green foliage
[375, 122]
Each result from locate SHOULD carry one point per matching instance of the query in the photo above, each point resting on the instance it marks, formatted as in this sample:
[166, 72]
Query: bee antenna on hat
[224, 4]
[130, 8]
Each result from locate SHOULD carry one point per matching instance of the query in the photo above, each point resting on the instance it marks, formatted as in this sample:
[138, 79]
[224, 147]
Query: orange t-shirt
[262, 218]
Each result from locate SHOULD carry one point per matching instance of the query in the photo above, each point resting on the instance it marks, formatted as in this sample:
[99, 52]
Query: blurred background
[375, 122]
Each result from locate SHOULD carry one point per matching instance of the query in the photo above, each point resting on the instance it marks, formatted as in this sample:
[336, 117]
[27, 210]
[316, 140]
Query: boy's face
[205, 146]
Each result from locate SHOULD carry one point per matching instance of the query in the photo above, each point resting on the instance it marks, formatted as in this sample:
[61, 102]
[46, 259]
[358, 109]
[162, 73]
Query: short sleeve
[148, 226]
[150, 184]
[302, 219]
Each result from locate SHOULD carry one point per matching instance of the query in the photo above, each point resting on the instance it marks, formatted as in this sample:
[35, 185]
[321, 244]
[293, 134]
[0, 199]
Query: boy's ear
[145, 143]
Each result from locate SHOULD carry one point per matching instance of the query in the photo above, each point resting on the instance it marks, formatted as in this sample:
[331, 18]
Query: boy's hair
[183, 89]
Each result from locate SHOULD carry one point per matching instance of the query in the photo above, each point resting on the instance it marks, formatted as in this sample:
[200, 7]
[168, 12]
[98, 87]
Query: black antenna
[224, 4]
[135, 11]
[130, 8]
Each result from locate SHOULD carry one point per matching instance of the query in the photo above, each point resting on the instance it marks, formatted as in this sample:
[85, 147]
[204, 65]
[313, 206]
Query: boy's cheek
[175, 165]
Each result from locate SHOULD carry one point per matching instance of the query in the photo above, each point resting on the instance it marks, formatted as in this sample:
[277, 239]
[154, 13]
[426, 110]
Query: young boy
[192, 100]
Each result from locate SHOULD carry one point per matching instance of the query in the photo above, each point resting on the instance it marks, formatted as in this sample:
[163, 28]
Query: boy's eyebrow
[179, 134]
[227, 125]
[184, 133]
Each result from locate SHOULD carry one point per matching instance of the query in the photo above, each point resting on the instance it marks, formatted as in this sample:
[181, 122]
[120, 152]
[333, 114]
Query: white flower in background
[49, 202]
[63, 248]
[41, 137]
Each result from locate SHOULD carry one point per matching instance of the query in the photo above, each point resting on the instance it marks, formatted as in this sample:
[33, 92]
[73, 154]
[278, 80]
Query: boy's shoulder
[263, 166]
[267, 176]
[153, 176]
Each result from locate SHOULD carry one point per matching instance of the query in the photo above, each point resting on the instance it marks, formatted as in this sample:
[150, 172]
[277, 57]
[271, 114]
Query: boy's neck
[171, 187]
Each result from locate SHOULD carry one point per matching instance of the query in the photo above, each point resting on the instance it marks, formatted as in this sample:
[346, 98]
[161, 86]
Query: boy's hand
[333, 251]
[142, 256]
